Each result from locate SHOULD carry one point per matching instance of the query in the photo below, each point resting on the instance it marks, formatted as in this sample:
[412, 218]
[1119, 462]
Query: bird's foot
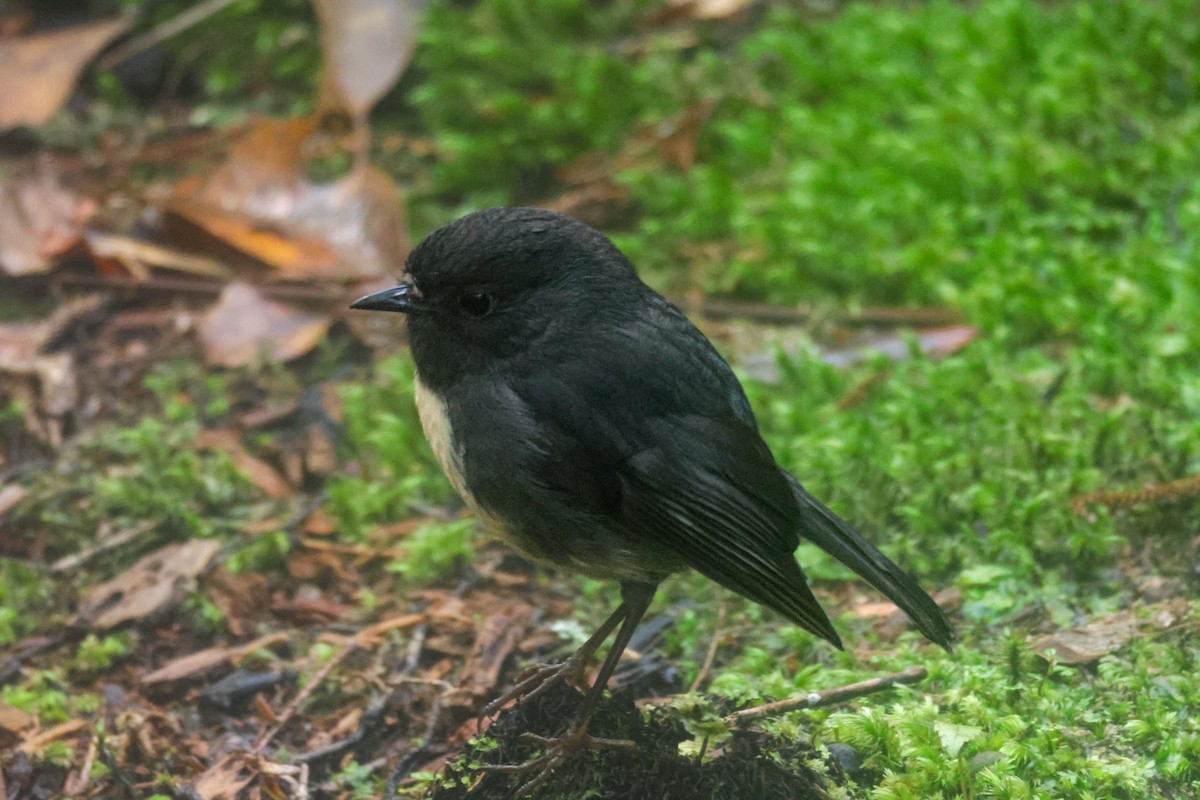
[537, 680]
[556, 752]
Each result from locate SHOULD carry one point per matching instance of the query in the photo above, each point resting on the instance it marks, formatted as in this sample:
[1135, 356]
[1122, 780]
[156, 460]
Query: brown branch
[1169, 492]
[797, 315]
[202, 287]
[165, 31]
[827, 697]
[860, 390]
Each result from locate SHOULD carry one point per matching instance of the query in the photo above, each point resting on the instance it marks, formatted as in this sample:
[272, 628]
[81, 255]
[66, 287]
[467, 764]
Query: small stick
[798, 315]
[1172, 491]
[828, 696]
[289, 711]
[712, 649]
[73, 560]
[163, 32]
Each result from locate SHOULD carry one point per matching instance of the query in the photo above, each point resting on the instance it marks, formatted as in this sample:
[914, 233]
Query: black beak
[404, 297]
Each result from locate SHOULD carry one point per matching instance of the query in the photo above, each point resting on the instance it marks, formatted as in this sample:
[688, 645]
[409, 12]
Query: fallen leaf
[1108, 633]
[137, 256]
[291, 252]
[933, 342]
[498, 636]
[226, 778]
[260, 474]
[205, 660]
[40, 216]
[151, 586]
[13, 723]
[240, 596]
[261, 202]
[28, 372]
[312, 611]
[10, 497]
[38, 72]
[317, 566]
[954, 737]
[244, 327]
[366, 44]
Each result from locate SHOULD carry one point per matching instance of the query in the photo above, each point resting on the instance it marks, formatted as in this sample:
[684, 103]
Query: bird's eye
[476, 304]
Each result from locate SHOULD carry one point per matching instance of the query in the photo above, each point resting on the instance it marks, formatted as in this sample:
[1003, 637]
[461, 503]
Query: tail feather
[834, 535]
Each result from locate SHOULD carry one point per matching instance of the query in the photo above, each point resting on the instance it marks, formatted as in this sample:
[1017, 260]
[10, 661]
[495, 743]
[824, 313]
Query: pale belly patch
[592, 551]
[436, 424]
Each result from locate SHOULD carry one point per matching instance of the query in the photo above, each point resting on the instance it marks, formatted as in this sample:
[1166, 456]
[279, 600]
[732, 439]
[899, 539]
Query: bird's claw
[558, 750]
[536, 681]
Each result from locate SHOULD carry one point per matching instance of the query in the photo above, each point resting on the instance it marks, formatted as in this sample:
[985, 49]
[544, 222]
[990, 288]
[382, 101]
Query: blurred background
[951, 248]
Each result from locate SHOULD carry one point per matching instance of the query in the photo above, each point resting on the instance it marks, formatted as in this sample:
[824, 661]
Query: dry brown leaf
[316, 566]
[366, 44]
[152, 585]
[875, 610]
[45, 381]
[261, 202]
[40, 217]
[13, 723]
[10, 497]
[38, 72]
[497, 638]
[1108, 633]
[261, 475]
[245, 327]
[136, 256]
[240, 596]
[204, 660]
[291, 252]
[226, 778]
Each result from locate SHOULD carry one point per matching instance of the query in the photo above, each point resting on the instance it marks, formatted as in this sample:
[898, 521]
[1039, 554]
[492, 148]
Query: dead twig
[828, 696]
[160, 34]
[860, 390]
[290, 710]
[798, 315]
[201, 287]
[712, 649]
[37, 741]
[1169, 492]
[106, 543]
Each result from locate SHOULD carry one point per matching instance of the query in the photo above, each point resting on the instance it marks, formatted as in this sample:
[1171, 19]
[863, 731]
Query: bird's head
[495, 283]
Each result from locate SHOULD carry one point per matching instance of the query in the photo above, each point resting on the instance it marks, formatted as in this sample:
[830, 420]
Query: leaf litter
[257, 257]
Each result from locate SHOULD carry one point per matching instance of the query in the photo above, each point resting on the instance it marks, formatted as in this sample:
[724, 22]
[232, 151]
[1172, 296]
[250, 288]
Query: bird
[590, 425]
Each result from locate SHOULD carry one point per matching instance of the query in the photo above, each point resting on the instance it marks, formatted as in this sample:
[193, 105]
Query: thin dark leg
[596, 639]
[635, 599]
[539, 680]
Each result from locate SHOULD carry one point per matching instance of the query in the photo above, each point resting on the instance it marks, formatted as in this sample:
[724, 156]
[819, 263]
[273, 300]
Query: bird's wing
[656, 442]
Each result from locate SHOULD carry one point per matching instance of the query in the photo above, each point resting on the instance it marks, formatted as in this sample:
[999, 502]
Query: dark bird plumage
[594, 428]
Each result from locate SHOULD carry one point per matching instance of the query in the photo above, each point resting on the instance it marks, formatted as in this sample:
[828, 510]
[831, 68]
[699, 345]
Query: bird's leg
[540, 678]
[636, 598]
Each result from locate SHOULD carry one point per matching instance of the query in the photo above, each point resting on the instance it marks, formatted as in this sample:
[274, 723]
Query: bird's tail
[834, 535]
